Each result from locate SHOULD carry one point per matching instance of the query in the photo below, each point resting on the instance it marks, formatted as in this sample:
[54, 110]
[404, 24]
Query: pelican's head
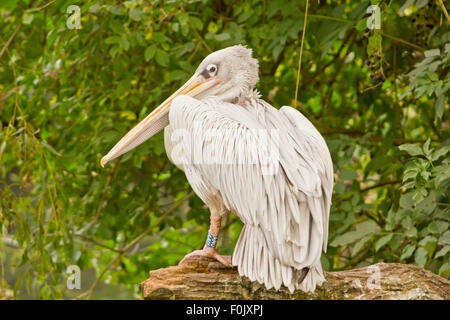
[226, 74]
[236, 70]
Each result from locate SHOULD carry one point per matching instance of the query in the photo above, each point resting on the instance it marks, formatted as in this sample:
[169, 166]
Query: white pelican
[270, 167]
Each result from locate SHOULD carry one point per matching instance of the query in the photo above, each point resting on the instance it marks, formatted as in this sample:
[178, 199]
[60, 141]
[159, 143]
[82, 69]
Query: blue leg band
[211, 240]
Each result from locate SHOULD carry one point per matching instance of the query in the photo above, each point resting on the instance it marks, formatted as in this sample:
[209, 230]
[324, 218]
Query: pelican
[270, 167]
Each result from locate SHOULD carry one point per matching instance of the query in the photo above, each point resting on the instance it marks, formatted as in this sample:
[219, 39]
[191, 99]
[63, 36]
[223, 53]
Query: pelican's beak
[158, 118]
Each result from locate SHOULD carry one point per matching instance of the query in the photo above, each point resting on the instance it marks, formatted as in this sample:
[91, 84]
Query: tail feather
[312, 279]
[255, 260]
[301, 275]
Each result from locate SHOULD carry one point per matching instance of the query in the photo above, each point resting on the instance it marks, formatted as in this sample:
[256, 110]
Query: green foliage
[423, 209]
[380, 98]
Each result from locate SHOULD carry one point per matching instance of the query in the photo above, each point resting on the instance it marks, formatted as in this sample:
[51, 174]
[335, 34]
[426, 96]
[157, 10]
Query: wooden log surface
[205, 279]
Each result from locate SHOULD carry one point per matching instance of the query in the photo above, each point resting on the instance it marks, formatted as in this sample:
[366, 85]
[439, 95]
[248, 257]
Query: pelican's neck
[233, 95]
[247, 96]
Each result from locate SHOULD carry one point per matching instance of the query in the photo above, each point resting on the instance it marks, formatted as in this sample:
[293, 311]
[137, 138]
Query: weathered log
[204, 278]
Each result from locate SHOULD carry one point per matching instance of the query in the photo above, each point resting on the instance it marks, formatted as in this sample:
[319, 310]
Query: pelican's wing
[310, 141]
[267, 171]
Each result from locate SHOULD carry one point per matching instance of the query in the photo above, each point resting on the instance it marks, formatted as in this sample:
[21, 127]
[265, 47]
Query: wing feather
[273, 169]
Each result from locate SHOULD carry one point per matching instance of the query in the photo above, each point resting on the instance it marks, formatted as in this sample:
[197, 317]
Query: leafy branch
[123, 251]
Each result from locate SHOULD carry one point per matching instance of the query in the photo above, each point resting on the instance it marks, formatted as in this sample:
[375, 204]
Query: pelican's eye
[212, 69]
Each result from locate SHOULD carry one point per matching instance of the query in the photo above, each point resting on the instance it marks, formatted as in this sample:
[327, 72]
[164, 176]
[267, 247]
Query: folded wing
[272, 169]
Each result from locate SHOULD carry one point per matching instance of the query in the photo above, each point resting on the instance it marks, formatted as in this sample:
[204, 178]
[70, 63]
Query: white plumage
[284, 208]
[270, 167]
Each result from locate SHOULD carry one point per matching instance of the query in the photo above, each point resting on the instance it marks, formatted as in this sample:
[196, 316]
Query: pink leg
[208, 251]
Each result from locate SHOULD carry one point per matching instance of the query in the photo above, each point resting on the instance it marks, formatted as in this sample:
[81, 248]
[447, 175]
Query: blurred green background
[67, 95]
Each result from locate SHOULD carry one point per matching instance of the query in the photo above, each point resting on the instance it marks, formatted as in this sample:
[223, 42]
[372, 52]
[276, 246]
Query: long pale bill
[157, 119]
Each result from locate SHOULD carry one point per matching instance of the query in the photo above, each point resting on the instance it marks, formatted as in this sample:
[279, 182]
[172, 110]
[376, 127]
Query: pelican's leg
[209, 250]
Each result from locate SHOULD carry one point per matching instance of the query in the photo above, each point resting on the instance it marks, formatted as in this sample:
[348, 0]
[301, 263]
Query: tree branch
[300, 54]
[200, 278]
[381, 184]
[122, 251]
[11, 38]
[444, 10]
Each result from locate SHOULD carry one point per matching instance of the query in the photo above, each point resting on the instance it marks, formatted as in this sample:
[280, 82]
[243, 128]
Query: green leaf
[244, 16]
[421, 3]
[433, 76]
[124, 43]
[116, 10]
[186, 66]
[426, 148]
[438, 226]
[360, 244]
[411, 149]
[162, 58]
[420, 257]
[177, 75]
[408, 251]
[440, 153]
[344, 239]
[366, 227]
[277, 50]
[150, 52]
[160, 37]
[442, 252]
[8, 4]
[362, 229]
[112, 39]
[136, 14]
[51, 149]
[383, 241]
[410, 174]
[444, 270]
[17, 283]
[411, 232]
[27, 18]
[445, 238]
[196, 22]
[222, 36]
[183, 18]
[348, 175]
[362, 24]
[440, 106]
[127, 114]
[429, 243]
